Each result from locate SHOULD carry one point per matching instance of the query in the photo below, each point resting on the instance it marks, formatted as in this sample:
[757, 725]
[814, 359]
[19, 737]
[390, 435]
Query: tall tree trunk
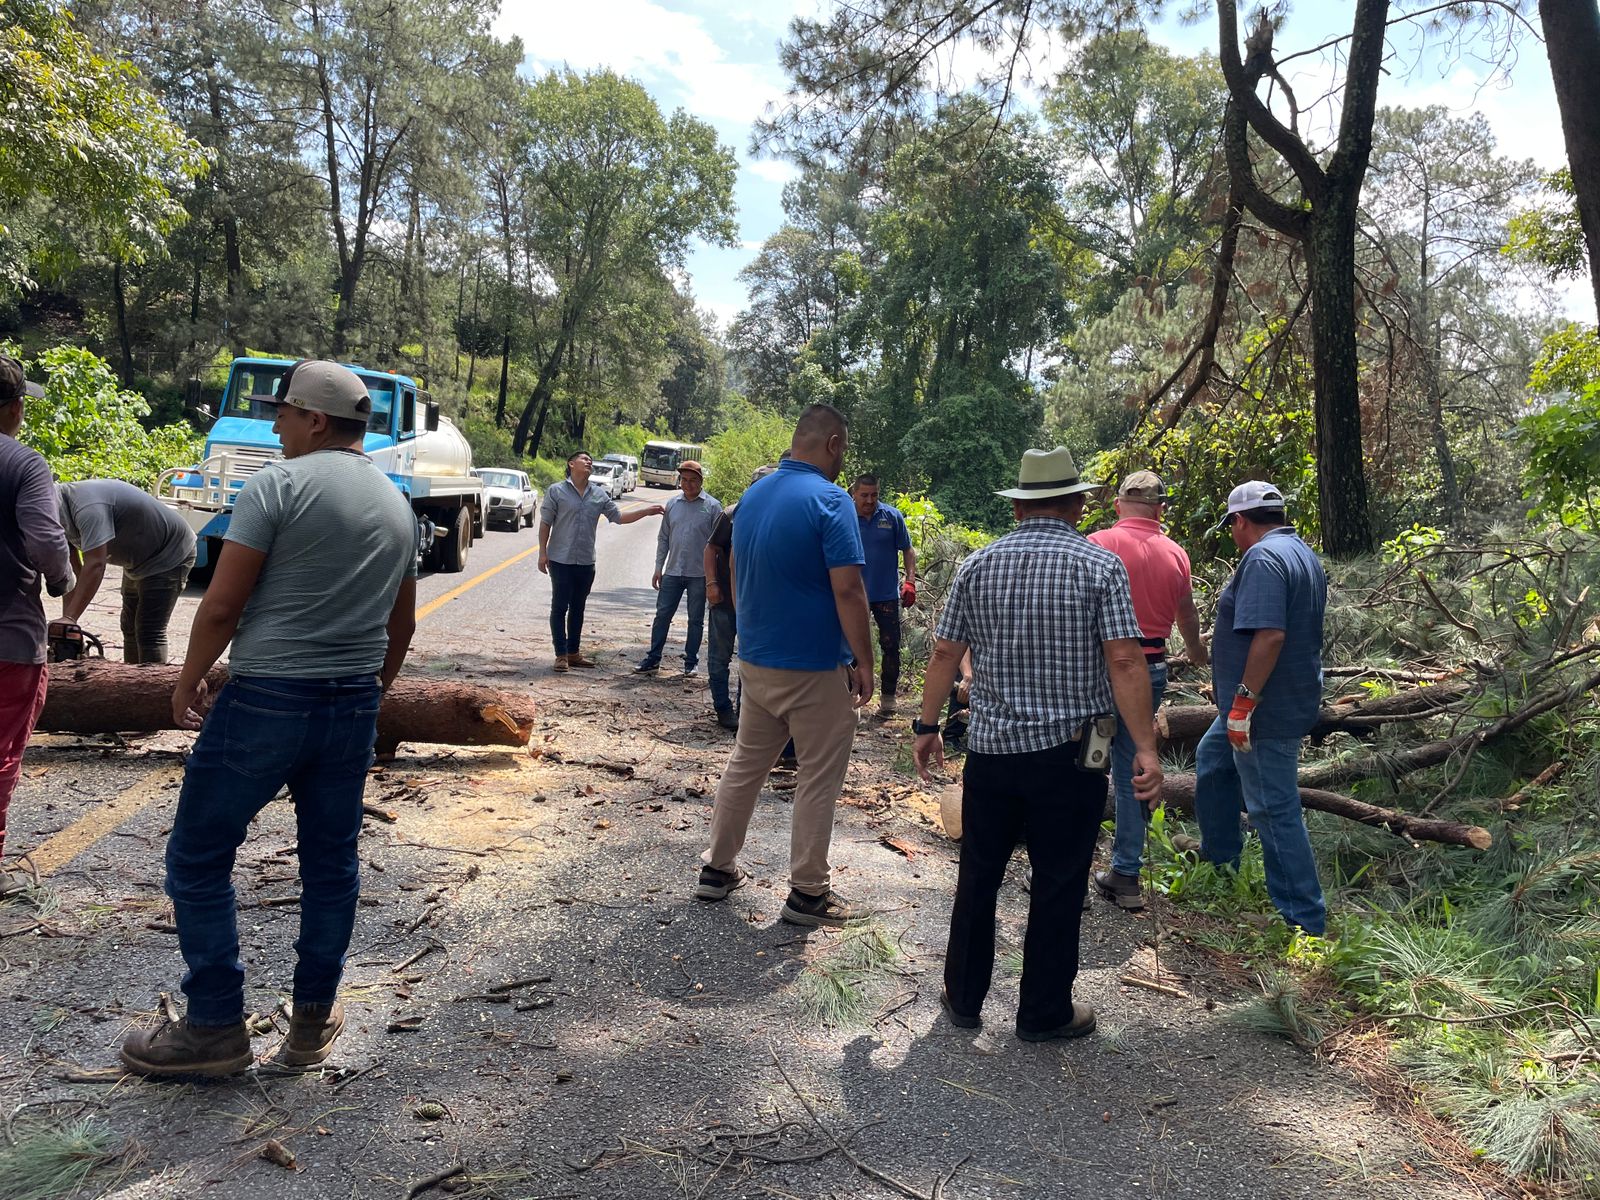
[461, 304]
[540, 397]
[505, 380]
[1572, 41]
[232, 258]
[124, 342]
[1341, 473]
[1433, 388]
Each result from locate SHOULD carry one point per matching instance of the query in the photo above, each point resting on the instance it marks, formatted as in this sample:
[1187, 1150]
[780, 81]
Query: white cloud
[773, 170]
[659, 47]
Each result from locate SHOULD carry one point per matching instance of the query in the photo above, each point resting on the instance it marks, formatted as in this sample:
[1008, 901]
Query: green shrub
[87, 427]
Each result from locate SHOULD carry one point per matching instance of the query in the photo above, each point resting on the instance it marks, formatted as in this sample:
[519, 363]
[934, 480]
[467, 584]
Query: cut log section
[1185, 723]
[93, 696]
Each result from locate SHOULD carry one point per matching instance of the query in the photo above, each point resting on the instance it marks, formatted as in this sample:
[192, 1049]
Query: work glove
[1239, 723]
[908, 594]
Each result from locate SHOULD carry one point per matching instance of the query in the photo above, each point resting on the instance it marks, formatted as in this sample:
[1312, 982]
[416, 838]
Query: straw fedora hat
[1046, 473]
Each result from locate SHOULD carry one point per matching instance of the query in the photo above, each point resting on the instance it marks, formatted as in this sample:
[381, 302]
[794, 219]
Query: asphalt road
[533, 996]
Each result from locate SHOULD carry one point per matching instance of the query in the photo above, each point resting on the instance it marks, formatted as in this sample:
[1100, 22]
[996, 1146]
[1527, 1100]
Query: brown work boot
[578, 660]
[312, 1029]
[179, 1048]
[1122, 890]
[561, 662]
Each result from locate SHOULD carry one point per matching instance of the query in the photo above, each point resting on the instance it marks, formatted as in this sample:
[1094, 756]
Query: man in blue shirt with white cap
[1266, 667]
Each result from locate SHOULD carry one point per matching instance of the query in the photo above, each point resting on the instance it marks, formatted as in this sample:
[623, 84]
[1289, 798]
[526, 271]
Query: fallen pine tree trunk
[1178, 791]
[93, 696]
[1186, 723]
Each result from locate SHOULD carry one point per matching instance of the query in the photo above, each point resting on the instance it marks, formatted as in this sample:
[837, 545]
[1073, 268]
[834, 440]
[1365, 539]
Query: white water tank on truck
[443, 451]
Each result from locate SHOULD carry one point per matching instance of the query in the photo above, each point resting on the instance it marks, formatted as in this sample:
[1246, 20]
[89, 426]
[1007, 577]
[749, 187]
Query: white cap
[1254, 494]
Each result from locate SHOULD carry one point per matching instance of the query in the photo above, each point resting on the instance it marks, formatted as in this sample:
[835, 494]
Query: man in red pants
[33, 548]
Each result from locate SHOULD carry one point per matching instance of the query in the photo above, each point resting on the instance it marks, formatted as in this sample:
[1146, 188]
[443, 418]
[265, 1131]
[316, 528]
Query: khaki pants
[814, 708]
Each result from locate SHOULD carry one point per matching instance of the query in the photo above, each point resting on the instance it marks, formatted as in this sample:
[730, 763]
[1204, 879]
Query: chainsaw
[69, 641]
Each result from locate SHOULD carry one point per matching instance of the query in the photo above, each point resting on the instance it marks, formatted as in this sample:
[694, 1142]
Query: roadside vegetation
[1122, 268]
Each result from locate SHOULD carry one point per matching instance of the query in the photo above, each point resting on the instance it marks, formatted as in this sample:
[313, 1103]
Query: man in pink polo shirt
[1158, 574]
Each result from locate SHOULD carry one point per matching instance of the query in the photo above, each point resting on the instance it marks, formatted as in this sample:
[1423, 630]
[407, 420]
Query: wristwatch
[1241, 690]
[922, 729]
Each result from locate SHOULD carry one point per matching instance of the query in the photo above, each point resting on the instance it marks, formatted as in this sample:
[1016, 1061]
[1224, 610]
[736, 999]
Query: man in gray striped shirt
[568, 515]
[680, 566]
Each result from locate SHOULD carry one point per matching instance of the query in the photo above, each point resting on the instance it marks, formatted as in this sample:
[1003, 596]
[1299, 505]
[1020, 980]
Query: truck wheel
[454, 551]
[202, 575]
[527, 521]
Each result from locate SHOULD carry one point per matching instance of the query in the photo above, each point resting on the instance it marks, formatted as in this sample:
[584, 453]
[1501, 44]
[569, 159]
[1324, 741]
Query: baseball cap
[1254, 494]
[325, 387]
[13, 383]
[1144, 486]
[689, 464]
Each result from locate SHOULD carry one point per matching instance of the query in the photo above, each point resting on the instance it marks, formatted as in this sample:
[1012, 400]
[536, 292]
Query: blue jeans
[1265, 783]
[1127, 846]
[724, 625]
[316, 736]
[673, 589]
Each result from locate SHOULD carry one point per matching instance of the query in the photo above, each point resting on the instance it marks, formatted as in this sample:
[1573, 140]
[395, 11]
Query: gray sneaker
[1122, 890]
[829, 910]
[715, 884]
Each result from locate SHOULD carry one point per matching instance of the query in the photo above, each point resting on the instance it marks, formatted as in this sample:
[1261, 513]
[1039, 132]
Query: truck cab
[421, 452]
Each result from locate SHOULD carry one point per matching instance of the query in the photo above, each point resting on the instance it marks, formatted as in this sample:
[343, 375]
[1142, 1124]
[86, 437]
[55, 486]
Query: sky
[718, 60]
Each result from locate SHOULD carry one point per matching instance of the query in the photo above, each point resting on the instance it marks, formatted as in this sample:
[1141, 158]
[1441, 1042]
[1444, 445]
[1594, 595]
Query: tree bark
[1572, 41]
[1178, 792]
[1325, 224]
[1187, 722]
[92, 696]
[124, 340]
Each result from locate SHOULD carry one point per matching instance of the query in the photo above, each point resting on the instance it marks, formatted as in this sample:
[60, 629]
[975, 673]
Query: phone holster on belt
[1094, 743]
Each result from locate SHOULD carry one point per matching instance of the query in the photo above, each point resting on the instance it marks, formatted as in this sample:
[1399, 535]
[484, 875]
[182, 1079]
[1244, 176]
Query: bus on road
[658, 464]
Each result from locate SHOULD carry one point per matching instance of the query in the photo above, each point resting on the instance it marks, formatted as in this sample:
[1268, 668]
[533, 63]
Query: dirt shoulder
[534, 996]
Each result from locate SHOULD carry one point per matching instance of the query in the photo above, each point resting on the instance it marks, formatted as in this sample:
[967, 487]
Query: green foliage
[752, 438]
[992, 423]
[87, 427]
[1550, 236]
[1562, 439]
[77, 130]
[1213, 451]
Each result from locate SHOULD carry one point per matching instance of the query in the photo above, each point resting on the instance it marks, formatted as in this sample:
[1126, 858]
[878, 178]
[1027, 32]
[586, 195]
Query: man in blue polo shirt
[884, 539]
[1266, 667]
[802, 617]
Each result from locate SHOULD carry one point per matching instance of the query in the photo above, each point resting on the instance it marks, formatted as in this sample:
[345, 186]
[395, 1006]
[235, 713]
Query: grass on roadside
[1482, 970]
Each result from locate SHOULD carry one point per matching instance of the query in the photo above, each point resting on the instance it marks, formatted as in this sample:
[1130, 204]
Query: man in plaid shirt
[1050, 623]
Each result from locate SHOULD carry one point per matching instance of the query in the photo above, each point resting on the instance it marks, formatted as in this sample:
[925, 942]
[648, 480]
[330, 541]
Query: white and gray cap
[1251, 495]
[325, 387]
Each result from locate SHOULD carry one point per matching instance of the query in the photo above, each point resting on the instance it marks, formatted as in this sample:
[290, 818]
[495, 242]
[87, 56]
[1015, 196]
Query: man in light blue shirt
[568, 515]
[680, 566]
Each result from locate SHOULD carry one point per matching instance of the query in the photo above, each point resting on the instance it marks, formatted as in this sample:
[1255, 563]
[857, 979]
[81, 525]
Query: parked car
[509, 497]
[609, 476]
[630, 477]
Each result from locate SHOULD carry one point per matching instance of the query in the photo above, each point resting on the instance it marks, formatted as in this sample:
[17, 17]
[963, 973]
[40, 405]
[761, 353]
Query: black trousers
[887, 616]
[569, 592]
[1043, 797]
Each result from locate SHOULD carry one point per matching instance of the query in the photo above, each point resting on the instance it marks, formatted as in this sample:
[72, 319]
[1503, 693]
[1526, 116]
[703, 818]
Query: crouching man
[316, 589]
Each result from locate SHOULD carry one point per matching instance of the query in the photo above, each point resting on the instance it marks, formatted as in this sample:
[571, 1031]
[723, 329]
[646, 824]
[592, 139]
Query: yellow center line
[55, 852]
[433, 606]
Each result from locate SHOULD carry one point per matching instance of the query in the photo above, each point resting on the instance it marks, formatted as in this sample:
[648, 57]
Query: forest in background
[1168, 261]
